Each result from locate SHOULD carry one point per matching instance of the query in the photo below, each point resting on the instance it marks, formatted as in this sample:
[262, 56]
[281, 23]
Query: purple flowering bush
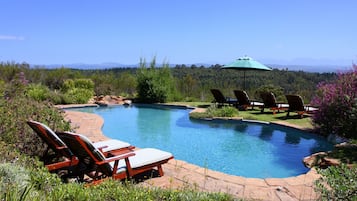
[337, 103]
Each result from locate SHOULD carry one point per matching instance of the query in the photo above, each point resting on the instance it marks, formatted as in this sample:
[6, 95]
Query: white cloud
[8, 37]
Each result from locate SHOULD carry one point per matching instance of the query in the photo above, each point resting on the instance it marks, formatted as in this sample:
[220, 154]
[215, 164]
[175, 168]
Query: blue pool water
[234, 147]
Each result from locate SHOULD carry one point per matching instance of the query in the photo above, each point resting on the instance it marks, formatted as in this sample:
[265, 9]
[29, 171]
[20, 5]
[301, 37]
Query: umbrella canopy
[244, 64]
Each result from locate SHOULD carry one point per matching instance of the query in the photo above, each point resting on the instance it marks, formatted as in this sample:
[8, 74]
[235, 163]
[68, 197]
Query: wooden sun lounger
[269, 101]
[125, 165]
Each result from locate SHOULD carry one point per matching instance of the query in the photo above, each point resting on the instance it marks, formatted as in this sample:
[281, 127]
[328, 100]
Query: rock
[346, 145]
[330, 162]
[314, 160]
[321, 160]
[127, 102]
[110, 100]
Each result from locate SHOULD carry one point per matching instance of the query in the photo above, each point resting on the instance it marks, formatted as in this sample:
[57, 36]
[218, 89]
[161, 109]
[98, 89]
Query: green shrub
[38, 92]
[13, 176]
[56, 97]
[276, 90]
[226, 112]
[2, 88]
[26, 179]
[77, 91]
[84, 84]
[155, 85]
[37, 183]
[338, 183]
[67, 85]
[13, 128]
[78, 96]
[16, 109]
[213, 111]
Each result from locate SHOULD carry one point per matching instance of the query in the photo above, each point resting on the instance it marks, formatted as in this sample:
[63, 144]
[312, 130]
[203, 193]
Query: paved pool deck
[180, 174]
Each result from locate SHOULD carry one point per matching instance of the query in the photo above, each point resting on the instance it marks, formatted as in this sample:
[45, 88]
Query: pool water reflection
[233, 147]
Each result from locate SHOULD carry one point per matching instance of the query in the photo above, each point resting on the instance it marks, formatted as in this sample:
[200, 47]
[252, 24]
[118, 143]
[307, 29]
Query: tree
[155, 84]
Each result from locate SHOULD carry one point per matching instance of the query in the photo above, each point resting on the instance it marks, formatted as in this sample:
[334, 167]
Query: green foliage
[78, 91]
[68, 85]
[21, 183]
[55, 78]
[190, 82]
[338, 183]
[16, 109]
[38, 92]
[84, 84]
[346, 153]
[225, 112]
[155, 84]
[2, 89]
[13, 176]
[213, 111]
[126, 84]
[10, 70]
[78, 96]
[276, 90]
[205, 78]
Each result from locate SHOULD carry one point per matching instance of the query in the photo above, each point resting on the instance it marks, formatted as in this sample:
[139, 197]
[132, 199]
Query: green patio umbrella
[244, 64]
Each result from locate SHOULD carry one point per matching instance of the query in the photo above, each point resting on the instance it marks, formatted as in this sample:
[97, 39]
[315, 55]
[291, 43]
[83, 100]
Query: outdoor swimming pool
[234, 147]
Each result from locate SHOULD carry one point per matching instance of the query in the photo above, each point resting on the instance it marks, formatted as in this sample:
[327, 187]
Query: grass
[255, 114]
[268, 116]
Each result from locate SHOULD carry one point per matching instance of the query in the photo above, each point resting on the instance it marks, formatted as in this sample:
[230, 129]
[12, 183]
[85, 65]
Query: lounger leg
[161, 172]
[301, 114]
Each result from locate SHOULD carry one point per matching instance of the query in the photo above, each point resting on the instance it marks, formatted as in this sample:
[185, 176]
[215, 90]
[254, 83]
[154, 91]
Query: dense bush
[13, 178]
[276, 90]
[78, 96]
[38, 92]
[78, 91]
[39, 185]
[214, 111]
[338, 183]
[155, 85]
[16, 109]
[337, 103]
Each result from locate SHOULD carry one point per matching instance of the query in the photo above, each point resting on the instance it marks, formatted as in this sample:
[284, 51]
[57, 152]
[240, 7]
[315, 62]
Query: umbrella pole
[244, 80]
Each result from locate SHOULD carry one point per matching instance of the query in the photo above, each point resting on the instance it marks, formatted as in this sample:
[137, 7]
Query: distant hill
[88, 66]
[108, 65]
[312, 68]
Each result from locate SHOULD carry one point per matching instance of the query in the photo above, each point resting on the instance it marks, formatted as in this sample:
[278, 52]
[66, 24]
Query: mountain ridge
[108, 65]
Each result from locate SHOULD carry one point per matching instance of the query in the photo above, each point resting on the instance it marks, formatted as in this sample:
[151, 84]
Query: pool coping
[180, 174]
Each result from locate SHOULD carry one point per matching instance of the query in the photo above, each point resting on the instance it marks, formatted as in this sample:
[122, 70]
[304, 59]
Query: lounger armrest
[256, 102]
[282, 104]
[115, 158]
[102, 147]
[309, 105]
[62, 147]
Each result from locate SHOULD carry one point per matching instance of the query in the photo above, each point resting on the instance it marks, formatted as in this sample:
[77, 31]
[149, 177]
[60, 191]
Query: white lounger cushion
[110, 145]
[257, 103]
[143, 157]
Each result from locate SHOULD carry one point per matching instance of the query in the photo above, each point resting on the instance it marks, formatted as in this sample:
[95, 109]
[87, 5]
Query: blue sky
[178, 31]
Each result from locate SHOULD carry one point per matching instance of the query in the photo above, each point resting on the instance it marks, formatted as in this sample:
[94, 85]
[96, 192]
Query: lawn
[256, 114]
